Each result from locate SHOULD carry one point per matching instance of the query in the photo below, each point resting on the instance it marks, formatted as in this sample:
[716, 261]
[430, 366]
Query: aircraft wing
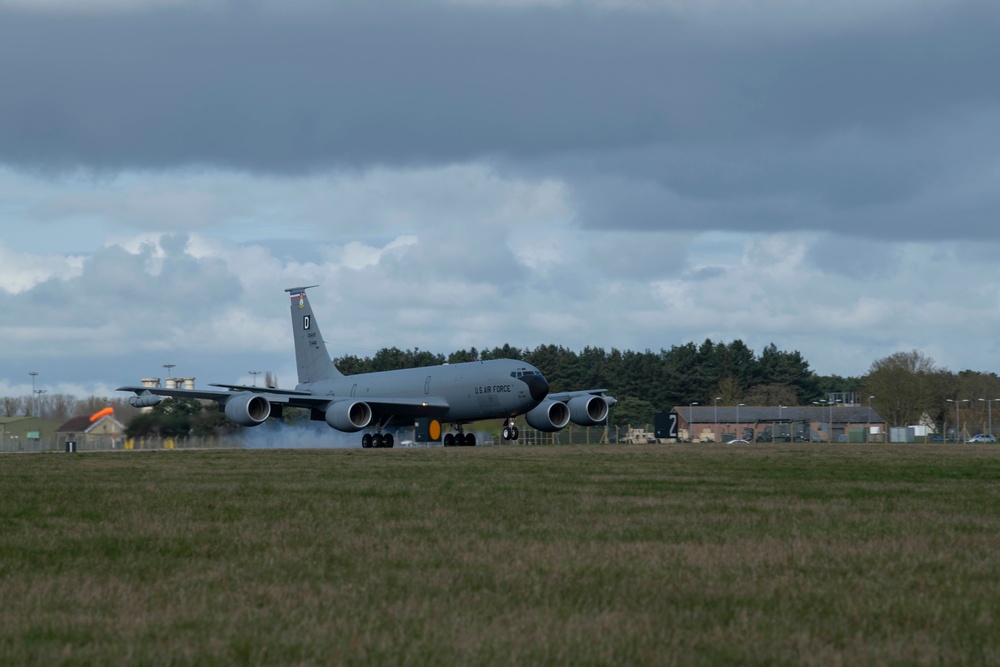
[564, 396]
[428, 406]
[261, 390]
[272, 395]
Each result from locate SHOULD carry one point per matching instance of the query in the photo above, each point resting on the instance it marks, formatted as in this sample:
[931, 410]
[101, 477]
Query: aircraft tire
[379, 440]
[470, 440]
[389, 441]
[366, 441]
[506, 433]
[515, 433]
[449, 440]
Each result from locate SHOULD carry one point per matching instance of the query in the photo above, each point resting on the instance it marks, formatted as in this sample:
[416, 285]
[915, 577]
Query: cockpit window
[517, 374]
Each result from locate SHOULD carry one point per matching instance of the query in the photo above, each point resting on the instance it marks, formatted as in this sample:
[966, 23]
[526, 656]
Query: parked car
[738, 441]
[982, 437]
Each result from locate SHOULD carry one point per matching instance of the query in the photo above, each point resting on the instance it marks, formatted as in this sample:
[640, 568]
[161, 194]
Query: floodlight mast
[715, 428]
[31, 403]
[958, 417]
[691, 421]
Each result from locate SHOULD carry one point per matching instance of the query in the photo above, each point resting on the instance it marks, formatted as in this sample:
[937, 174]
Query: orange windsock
[101, 413]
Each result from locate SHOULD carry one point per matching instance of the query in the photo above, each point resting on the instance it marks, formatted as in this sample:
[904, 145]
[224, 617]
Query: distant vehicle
[982, 437]
[737, 441]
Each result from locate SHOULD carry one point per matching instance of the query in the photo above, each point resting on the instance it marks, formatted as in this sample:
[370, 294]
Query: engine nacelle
[349, 416]
[144, 400]
[588, 410]
[247, 409]
[548, 416]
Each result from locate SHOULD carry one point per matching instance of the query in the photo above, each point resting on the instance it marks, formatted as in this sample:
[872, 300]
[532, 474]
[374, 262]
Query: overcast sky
[625, 174]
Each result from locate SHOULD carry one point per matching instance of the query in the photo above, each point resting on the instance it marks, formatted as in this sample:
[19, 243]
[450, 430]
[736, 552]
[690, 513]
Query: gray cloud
[360, 86]
[680, 124]
[474, 175]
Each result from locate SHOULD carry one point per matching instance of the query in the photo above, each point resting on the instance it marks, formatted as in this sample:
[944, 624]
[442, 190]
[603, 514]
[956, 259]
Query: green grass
[659, 554]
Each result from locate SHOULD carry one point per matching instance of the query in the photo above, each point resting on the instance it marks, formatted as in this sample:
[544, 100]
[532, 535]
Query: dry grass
[583, 555]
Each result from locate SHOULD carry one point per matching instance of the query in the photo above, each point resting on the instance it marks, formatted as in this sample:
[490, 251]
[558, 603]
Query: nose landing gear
[510, 432]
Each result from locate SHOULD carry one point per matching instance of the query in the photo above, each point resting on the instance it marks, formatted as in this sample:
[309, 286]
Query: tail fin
[311, 355]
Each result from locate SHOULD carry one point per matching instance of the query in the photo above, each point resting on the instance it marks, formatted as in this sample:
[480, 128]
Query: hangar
[780, 423]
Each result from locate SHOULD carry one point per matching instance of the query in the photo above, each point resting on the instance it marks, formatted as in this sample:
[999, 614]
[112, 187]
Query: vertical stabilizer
[311, 356]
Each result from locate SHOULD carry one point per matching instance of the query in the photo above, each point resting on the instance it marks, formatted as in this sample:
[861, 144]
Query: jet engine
[247, 409]
[144, 400]
[588, 410]
[548, 416]
[349, 416]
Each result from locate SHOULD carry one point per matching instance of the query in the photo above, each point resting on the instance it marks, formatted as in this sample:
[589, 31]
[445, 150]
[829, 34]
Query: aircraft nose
[538, 387]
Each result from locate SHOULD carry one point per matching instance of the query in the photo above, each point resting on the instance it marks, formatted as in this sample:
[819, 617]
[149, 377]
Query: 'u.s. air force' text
[493, 389]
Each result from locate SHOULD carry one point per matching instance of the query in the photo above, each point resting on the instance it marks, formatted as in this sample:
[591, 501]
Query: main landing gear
[377, 440]
[460, 439]
[510, 432]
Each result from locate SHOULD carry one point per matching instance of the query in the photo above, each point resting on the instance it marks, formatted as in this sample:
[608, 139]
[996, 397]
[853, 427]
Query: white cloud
[631, 174]
[21, 271]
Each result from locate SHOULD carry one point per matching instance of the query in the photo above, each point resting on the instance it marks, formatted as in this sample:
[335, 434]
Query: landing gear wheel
[470, 440]
[510, 431]
[367, 441]
[449, 440]
[379, 440]
[389, 440]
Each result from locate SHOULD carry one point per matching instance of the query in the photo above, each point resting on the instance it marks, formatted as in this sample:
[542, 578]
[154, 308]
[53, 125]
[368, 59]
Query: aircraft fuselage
[470, 391]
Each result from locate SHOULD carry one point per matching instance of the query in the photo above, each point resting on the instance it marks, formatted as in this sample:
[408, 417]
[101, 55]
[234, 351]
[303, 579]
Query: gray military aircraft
[453, 393]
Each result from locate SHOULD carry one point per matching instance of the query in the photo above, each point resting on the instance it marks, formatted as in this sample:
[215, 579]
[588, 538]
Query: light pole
[691, 421]
[958, 420]
[715, 430]
[38, 393]
[31, 403]
[774, 436]
[989, 412]
[739, 431]
[831, 421]
[868, 420]
[255, 374]
[829, 428]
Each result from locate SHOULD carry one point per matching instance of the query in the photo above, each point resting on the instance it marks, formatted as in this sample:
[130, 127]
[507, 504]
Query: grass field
[604, 555]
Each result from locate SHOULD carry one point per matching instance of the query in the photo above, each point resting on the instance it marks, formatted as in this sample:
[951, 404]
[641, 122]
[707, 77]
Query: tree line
[63, 407]
[646, 382]
[904, 387]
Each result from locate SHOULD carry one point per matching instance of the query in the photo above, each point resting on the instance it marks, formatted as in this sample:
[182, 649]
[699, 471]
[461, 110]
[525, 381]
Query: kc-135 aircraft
[374, 402]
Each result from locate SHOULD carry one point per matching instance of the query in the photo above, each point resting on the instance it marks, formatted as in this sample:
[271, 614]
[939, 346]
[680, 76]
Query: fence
[572, 435]
[107, 443]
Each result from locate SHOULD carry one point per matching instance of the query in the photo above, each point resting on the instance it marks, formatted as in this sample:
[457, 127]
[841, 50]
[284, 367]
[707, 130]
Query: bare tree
[771, 394]
[60, 407]
[729, 391]
[11, 406]
[905, 385]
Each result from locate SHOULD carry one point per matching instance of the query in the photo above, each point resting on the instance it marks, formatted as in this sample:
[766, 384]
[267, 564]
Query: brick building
[839, 423]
